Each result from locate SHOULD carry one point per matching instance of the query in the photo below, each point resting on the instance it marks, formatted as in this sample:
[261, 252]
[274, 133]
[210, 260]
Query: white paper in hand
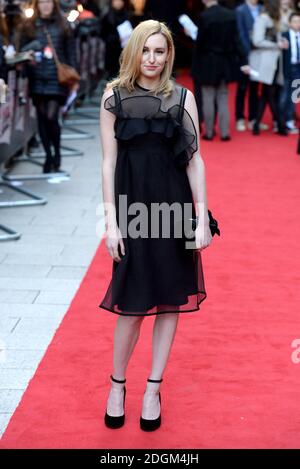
[124, 30]
[190, 27]
[70, 99]
[254, 73]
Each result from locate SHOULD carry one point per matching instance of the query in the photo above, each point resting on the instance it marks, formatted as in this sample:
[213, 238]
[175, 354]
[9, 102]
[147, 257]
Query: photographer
[46, 91]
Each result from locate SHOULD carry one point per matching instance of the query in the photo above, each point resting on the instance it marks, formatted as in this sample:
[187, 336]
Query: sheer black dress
[156, 139]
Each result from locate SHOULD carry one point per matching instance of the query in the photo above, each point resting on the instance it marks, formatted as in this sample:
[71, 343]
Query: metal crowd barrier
[17, 126]
[18, 119]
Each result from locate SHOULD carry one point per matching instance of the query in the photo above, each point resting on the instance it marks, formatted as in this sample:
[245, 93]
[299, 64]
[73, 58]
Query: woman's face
[45, 7]
[154, 56]
[117, 4]
[285, 5]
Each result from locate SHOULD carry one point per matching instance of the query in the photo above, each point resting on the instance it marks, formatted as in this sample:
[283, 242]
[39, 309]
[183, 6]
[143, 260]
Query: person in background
[91, 5]
[291, 71]
[1, 57]
[168, 12]
[3, 33]
[266, 59]
[3, 87]
[116, 14]
[296, 5]
[3, 24]
[285, 12]
[215, 63]
[246, 13]
[13, 17]
[46, 92]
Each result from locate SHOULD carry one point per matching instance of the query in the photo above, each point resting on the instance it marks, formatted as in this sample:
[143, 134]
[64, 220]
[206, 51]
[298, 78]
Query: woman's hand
[246, 69]
[203, 236]
[113, 240]
[283, 43]
[75, 87]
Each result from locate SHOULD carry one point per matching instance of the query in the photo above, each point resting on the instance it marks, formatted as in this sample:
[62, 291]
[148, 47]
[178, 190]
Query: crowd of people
[253, 43]
[264, 41]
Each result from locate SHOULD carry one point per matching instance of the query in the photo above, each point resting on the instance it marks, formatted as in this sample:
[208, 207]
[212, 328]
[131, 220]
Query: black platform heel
[255, 128]
[152, 424]
[116, 422]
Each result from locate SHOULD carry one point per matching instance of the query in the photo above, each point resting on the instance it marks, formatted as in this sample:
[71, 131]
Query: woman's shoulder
[108, 91]
[108, 97]
[266, 18]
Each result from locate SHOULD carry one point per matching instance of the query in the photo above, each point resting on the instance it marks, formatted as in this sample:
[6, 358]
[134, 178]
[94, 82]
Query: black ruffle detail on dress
[175, 124]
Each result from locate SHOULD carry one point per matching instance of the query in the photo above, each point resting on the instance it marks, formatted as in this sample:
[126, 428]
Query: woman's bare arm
[196, 168]
[196, 174]
[109, 158]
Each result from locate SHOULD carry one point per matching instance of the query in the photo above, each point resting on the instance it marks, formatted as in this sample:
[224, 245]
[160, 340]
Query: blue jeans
[286, 105]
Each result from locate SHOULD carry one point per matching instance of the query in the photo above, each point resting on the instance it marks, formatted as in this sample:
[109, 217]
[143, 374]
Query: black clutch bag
[213, 224]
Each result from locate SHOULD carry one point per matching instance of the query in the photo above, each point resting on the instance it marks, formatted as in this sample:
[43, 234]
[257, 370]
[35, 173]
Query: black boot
[255, 128]
[56, 162]
[47, 167]
[282, 130]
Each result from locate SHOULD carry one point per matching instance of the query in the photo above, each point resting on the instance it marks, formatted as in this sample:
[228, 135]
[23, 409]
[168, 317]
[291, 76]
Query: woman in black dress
[149, 133]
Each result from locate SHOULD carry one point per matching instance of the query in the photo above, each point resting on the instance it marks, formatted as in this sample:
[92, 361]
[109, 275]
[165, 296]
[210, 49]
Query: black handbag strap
[182, 101]
[117, 99]
[50, 43]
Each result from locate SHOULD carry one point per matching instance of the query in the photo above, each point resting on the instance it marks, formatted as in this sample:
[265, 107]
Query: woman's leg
[284, 100]
[41, 110]
[261, 106]
[53, 106]
[223, 109]
[163, 336]
[208, 100]
[126, 335]
[273, 93]
[252, 100]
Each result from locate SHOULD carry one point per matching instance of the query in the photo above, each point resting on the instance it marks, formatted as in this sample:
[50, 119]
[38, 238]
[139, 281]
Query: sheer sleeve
[112, 104]
[185, 139]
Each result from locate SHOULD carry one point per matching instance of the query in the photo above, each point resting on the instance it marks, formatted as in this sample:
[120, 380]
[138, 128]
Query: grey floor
[41, 272]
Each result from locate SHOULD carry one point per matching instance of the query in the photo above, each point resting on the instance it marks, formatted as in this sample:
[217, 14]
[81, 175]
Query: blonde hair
[131, 56]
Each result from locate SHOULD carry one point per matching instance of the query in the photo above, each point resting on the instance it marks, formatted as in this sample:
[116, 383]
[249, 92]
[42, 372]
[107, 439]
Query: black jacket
[287, 57]
[166, 11]
[43, 75]
[218, 53]
[110, 36]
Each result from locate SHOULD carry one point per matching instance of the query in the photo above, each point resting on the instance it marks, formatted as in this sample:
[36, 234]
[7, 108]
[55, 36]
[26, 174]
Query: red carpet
[230, 381]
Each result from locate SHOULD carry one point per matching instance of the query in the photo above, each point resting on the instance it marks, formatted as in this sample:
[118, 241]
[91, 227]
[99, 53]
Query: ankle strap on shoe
[155, 380]
[118, 380]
